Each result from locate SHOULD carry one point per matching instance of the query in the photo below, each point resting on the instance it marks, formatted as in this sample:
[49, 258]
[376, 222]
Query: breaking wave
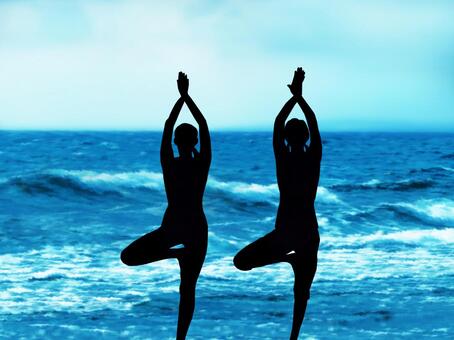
[95, 183]
[375, 184]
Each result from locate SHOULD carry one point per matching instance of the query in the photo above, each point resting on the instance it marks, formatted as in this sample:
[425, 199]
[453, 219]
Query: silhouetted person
[295, 238]
[184, 221]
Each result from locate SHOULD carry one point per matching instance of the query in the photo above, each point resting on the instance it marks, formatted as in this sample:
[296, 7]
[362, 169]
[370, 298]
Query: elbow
[278, 125]
[202, 123]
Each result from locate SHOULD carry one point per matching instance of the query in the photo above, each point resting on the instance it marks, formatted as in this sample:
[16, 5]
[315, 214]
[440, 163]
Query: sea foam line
[415, 236]
[154, 180]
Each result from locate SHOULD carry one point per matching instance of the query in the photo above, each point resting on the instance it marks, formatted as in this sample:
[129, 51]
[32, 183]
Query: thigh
[148, 248]
[191, 260]
[266, 250]
[305, 266]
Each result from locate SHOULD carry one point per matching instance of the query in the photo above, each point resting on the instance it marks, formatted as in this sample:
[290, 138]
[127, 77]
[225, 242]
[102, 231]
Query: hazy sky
[370, 65]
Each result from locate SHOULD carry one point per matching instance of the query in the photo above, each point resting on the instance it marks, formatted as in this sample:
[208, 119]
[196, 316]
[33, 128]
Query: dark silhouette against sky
[295, 238]
[184, 221]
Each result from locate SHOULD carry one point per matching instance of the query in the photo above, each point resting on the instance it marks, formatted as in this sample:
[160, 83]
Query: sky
[378, 65]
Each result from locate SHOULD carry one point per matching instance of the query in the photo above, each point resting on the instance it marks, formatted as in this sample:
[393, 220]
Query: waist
[185, 211]
[185, 202]
[298, 203]
[296, 215]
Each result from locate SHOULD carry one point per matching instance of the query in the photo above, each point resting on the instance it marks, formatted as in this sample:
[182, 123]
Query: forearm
[173, 116]
[310, 118]
[279, 124]
[205, 141]
[166, 142]
[196, 113]
[285, 111]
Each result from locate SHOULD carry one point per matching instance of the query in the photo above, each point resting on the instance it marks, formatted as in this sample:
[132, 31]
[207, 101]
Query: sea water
[71, 201]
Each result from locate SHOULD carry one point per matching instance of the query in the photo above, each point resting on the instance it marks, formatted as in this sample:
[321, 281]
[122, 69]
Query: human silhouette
[184, 221]
[295, 238]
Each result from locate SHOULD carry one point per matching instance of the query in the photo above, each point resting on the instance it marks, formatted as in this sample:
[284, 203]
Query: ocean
[71, 201]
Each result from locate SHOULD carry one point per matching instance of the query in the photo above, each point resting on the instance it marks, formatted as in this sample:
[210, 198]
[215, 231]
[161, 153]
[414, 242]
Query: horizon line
[437, 131]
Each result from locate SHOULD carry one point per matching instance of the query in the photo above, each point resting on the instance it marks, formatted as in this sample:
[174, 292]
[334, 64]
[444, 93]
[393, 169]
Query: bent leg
[151, 247]
[190, 265]
[266, 250]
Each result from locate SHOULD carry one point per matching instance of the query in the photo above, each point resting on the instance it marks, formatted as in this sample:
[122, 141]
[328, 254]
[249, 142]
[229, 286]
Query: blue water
[71, 201]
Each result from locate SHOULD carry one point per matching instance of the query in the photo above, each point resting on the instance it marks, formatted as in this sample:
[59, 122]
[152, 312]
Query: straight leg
[190, 265]
[304, 267]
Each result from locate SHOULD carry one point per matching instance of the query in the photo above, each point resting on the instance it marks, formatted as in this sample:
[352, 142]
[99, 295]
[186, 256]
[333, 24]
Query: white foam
[268, 191]
[373, 182]
[436, 209]
[154, 180]
[364, 263]
[416, 236]
[326, 195]
[65, 282]
[447, 168]
[245, 188]
[19, 290]
[136, 179]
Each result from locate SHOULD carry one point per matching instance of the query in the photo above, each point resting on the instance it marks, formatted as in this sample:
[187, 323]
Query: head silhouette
[296, 133]
[185, 138]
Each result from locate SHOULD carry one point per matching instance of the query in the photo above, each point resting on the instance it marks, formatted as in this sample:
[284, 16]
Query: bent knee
[127, 258]
[240, 263]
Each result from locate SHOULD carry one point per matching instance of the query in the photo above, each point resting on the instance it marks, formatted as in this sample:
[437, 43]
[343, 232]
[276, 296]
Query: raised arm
[279, 125]
[166, 142]
[316, 141]
[297, 90]
[205, 141]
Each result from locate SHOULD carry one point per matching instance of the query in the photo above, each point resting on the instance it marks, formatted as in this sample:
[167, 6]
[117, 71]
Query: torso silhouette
[298, 174]
[185, 180]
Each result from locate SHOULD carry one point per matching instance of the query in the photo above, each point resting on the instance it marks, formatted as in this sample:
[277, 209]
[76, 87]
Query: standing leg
[304, 268]
[190, 265]
[299, 305]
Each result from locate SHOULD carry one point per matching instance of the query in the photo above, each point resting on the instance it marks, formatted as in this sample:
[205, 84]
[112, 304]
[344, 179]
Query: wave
[438, 210]
[48, 276]
[85, 182]
[116, 181]
[261, 193]
[244, 193]
[448, 156]
[435, 212]
[55, 182]
[415, 236]
[375, 184]
[75, 273]
[434, 169]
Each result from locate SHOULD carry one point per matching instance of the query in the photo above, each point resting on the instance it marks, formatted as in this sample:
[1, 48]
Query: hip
[193, 219]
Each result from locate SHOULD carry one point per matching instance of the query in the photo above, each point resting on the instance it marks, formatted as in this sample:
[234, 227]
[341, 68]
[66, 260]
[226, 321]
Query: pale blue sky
[370, 65]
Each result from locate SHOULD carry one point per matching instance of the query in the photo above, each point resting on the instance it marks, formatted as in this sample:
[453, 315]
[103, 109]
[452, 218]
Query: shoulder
[282, 152]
